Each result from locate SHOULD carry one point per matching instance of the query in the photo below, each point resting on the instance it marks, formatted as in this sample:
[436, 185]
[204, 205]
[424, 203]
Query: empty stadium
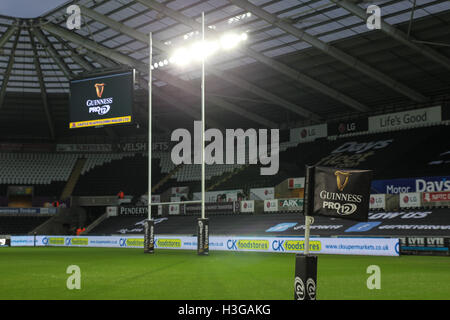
[102, 101]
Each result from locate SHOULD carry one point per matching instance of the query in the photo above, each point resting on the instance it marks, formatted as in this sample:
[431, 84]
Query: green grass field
[40, 273]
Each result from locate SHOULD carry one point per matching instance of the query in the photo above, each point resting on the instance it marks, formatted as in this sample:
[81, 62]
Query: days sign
[341, 193]
[411, 118]
[410, 200]
[351, 154]
[100, 101]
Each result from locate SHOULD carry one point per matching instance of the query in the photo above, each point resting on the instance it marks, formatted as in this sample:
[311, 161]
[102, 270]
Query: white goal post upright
[203, 118]
[149, 200]
[149, 236]
[203, 224]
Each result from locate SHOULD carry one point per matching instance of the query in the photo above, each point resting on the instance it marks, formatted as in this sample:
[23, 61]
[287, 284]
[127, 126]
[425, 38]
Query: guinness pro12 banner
[100, 101]
[341, 193]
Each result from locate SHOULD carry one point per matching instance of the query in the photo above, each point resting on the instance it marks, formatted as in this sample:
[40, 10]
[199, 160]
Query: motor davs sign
[422, 184]
[410, 200]
[405, 119]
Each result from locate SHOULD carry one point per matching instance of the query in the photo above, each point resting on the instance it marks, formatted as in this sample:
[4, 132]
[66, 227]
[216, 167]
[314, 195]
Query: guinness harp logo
[342, 179]
[99, 88]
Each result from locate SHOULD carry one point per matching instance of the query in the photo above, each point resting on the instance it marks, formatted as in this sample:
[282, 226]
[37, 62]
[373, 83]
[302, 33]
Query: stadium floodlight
[196, 52]
[229, 41]
[203, 49]
[181, 57]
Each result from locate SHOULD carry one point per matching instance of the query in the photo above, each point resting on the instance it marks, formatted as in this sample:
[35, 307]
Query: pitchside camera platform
[102, 100]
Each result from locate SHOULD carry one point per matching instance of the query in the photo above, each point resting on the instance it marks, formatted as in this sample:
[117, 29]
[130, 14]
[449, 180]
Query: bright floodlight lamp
[229, 41]
[201, 50]
[181, 57]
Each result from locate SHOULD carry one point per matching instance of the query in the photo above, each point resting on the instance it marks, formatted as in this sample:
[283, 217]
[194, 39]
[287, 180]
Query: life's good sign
[342, 193]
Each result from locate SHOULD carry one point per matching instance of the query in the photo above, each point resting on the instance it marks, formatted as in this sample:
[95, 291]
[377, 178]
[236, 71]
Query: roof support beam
[75, 56]
[143, 68]
[8, 70]
[52, 52]
[188, 110]
[185, 86]
[397, 34]
[42, 87]
[272, 63]
[6, 36]
[331, 51]
[219, 73]
[100, 59]
[177, 104]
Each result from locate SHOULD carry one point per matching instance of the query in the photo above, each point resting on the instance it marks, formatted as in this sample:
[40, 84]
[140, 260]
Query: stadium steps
[94, 224]
[166, 178]
[73, 179]
[64, 222]
[227, 177]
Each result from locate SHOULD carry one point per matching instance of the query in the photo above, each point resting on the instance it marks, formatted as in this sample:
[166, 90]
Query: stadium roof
[305, 61]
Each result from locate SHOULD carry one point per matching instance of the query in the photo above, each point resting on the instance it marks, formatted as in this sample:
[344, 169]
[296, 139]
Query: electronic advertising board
[101, 100]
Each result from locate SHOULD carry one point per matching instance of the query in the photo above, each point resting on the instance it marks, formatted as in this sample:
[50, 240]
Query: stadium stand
[107, 173]
[278, 224]
[20, 224]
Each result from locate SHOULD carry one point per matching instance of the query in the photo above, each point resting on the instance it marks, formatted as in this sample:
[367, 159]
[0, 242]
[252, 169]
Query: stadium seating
[108, 173]
[35, 168]
[20, 224]
[282, 224]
